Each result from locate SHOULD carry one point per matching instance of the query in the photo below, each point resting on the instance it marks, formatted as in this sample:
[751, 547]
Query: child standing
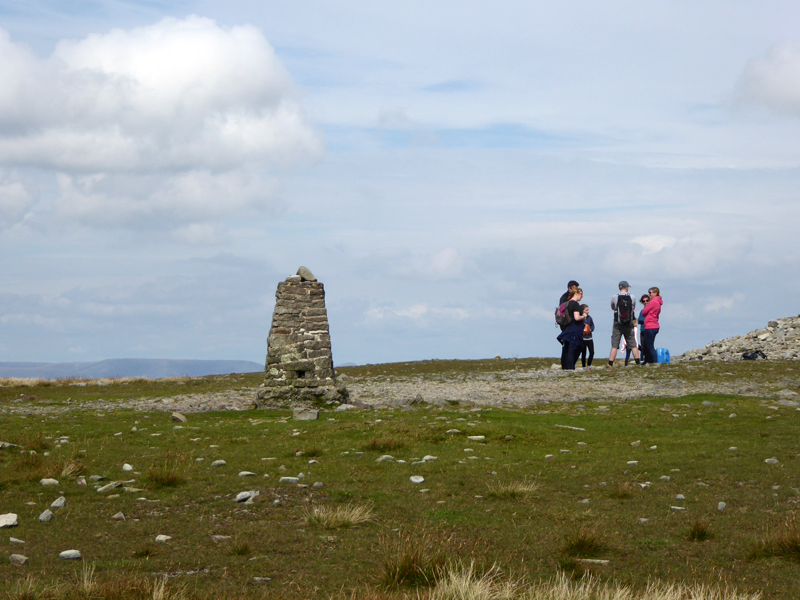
[588, 342]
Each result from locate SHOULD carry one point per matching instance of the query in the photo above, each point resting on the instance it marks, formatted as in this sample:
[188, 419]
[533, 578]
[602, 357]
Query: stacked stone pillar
[299, 368]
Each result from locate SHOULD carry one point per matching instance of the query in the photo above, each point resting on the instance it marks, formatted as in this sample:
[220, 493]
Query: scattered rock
[127, 467]
[59, 502]
[452, 431]
[48, 481]
[677, 508]
[476, 438]
[218, 463]
[289, 480]
[345, 407]
[384, 458]
[643, 521]
[119, 516]
[636, 444]
[163, 538]
[9, 446]
[680, 497]
[18, 559]
[109, 486]
[246, 496]
[70, 555]
[721, 506]
[317, 484]
[246, 474]
[179, 418]
[46, 516]
[771, 461]
[8, 520]
[305, 414]
[416, 479]
[13, 540]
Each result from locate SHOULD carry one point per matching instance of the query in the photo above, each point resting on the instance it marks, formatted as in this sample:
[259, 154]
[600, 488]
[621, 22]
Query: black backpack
[625, 310]
[563, 318]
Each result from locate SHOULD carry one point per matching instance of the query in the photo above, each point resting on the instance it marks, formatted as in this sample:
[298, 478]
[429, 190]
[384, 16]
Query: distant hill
[153, 368]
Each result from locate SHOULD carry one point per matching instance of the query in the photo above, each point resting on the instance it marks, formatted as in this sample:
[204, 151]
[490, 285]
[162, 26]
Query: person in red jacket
[651, 312]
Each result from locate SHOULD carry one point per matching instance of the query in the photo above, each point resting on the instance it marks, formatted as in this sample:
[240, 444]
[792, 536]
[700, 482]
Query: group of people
[577, 326]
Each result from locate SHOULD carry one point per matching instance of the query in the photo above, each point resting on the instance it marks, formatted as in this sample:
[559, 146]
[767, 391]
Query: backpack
[624, 310]
[563, 318]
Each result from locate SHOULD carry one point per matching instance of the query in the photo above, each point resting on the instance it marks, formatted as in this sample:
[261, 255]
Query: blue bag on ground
[662, 355]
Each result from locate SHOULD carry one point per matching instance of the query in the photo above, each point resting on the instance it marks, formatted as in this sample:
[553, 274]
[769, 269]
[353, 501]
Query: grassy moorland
[628, 492]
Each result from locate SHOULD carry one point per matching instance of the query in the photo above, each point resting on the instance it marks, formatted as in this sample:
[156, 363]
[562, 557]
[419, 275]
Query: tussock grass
[512, 490]
[240, 549]
[583, 543]
[415, 559]
[384, 444]
[699, 532]
[783, 541]
[86, 586]
[338, 517]
[622, 490]
[167, 474]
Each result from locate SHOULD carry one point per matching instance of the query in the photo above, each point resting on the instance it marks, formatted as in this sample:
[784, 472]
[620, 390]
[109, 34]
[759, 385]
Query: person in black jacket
[572, 336]
[572, 286]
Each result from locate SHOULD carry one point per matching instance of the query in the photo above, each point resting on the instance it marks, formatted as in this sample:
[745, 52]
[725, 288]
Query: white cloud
[654, 243]
[773, 80]
[716, 304]
[16, 199]
[198, 108]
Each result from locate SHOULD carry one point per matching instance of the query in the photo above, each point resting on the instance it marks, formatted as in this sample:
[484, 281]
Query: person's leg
[627, 355]
[583, 355]
[590, 345]
[572, 356]
[564, 351]
[615, 335]
[650, 345]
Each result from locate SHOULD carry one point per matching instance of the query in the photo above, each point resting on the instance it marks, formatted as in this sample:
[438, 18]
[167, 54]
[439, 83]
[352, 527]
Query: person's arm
[591, 322]
[614, 302]
[647, 307]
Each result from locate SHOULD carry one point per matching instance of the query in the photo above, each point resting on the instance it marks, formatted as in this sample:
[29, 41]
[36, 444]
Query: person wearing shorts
[620, 330]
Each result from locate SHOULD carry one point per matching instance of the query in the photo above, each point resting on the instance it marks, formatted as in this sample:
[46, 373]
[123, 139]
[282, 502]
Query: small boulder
[70, 555]
[59, 502]
[46, 516]
[8, 520]
[305, 414]
[306, 274]
[178, 417]
[18, 559]
[48, 481]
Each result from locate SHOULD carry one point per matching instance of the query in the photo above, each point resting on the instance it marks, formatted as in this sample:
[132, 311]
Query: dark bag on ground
[624, 310]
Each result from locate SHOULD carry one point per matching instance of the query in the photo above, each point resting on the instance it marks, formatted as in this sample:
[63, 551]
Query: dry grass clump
[583, 542]
[87, 586]
[384, 444]
[415, 559]
[699, 532]
[512, 490]
[167, 474]
[783, 541]
[466, 583]
[338, 517]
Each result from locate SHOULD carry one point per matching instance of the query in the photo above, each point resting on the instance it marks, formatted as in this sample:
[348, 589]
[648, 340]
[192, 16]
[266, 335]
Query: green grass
[467, 509]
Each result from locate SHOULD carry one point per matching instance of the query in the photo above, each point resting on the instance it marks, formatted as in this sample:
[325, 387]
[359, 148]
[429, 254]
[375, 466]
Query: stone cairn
[779, 340]
[299, 369]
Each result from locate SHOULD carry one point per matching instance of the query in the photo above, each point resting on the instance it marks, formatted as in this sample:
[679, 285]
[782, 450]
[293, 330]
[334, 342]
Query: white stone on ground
[18, 559]
[119, 516]
[721, 506]
[70, 555]
[46, 516]
[476, 438]
[127, 467]
[384, 458]
[416, 479]
[59, 502]
[680, 497]
[246, 496]
[643, 521]
[246, 474]
[13, 540]
[9, 520]
[218, 463]
[163, 538]
[48, 481]
[677, 508]
[289, 480]
[771, 461]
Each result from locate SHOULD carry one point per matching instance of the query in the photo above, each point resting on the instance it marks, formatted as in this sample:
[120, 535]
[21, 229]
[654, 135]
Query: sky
[442, 167]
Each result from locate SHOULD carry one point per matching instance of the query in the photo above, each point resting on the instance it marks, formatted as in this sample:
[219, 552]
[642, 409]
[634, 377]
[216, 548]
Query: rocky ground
[511, 388]
[714, 369]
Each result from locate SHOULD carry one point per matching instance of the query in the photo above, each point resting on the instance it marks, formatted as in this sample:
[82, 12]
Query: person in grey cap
[624, 307]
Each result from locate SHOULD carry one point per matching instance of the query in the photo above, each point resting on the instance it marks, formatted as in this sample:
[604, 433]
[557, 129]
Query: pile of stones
[779, 340]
